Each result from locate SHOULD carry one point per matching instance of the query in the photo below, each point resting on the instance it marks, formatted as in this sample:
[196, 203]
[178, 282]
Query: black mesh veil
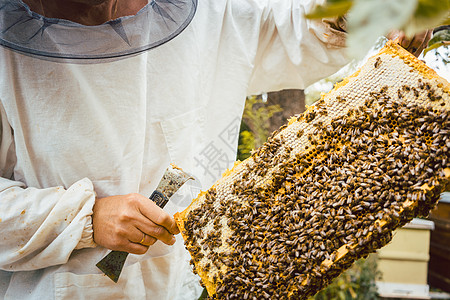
[56, 39]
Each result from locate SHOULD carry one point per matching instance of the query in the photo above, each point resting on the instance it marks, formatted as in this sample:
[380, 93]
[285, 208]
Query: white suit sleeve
[39, 227]
[292, 51]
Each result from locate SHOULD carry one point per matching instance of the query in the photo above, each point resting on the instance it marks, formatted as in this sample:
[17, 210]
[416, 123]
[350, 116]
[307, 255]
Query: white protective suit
[74, 130]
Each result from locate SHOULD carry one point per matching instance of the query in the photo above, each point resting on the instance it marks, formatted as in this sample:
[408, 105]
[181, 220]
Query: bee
[377, 62]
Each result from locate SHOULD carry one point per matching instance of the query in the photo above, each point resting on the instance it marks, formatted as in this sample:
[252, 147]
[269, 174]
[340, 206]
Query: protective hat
[56, 39]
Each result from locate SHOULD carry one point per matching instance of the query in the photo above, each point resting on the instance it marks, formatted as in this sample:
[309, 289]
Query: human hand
[415, 44]
[131, 223]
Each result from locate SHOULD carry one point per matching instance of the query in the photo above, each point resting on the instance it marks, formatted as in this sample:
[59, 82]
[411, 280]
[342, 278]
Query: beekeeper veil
[56, 39]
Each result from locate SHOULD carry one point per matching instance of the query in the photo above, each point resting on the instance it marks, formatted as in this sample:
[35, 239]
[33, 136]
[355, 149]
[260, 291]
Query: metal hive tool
[327, 188]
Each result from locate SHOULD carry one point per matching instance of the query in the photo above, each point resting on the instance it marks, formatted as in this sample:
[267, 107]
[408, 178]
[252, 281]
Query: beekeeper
[97, 97]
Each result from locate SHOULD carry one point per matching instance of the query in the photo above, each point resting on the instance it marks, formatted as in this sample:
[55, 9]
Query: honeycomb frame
[392, 77]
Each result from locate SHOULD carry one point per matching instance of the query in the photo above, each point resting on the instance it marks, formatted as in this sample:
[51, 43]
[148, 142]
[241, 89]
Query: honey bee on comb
[327, 188]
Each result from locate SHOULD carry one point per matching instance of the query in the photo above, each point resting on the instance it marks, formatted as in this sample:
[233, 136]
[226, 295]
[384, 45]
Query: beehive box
[403, 263]
[327, 188]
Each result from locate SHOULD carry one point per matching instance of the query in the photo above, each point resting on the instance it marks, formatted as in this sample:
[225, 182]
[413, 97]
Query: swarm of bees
[327, 188]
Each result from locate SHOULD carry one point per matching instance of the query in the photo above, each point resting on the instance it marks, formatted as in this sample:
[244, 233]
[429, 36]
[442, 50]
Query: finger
[135, 248]
[427, 37]
[148, 240]
[131, 243]
[394, 34]
[139, 237]
[411, 45]
[403, 40]
[134, 244]
[419, 42]
[153, 230]
[416, 45]
[154, 213]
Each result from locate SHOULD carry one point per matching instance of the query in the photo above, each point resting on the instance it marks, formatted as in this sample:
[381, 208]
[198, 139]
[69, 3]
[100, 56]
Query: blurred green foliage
[255, 125]
[367, 20]
[440, 38]
[357, 283]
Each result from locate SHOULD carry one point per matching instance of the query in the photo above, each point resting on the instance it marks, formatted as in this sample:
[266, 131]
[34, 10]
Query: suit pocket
[185, 135]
